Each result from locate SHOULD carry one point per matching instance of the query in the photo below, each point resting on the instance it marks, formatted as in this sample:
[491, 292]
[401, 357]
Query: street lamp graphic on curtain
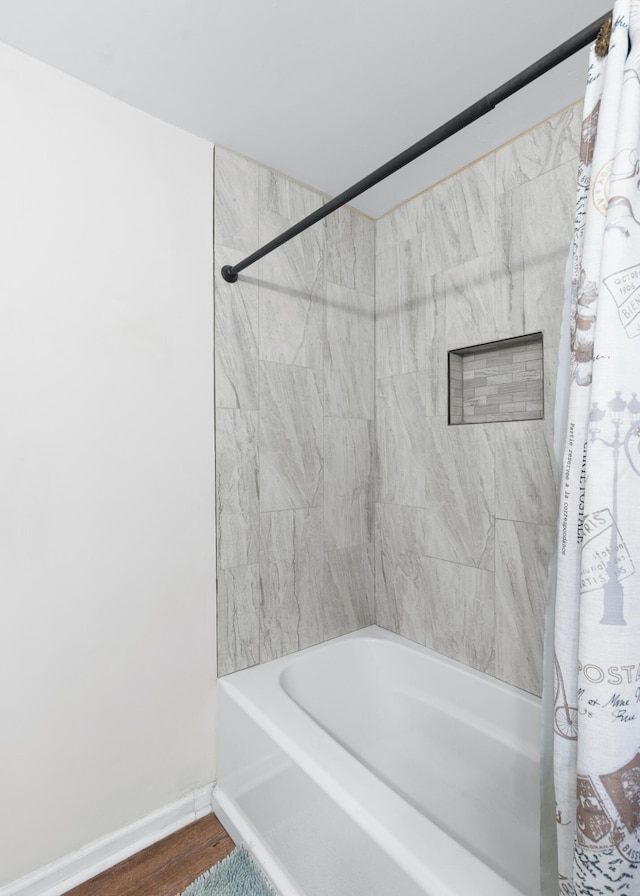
[612, 562]
[596, 716]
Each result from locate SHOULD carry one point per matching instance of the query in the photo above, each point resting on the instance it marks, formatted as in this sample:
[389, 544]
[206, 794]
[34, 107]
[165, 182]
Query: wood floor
[166, 867]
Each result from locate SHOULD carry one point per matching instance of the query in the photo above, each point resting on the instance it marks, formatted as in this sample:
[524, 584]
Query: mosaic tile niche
[497, 382]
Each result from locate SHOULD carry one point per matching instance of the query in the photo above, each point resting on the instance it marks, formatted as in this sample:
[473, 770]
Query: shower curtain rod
[460, 121]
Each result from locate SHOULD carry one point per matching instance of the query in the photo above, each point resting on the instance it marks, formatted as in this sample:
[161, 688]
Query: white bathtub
[371, 766]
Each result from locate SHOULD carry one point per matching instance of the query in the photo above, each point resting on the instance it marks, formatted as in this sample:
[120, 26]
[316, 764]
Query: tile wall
[455, 543]
[294, 342]
[465, 515]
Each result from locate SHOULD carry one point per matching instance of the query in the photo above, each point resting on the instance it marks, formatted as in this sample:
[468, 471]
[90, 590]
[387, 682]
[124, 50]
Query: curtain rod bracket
[229, 274]
[604, 38]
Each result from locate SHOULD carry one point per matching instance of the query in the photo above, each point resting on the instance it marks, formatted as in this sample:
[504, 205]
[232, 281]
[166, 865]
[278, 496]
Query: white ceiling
[322, 91]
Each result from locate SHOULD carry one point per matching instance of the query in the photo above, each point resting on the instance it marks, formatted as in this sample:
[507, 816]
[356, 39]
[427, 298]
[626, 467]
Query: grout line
[259, 381]
[374, 433]
[215, 426]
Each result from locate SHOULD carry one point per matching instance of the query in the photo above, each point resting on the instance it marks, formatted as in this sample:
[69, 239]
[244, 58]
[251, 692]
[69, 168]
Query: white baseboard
[83, 864]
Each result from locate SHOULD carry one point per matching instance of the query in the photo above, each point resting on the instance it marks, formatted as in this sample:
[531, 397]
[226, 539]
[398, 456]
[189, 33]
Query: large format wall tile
[350, 238]
[402, 293]
[470, 298]
[528, 493]
[348, 353]
[436, 372]
[402, 223]
[236, 337]
[280, 195]
[291, 423]
[457, 216]
[292, 296]
[292, 277]
[237, 487]
[460, 607]
[548, 146]
[236, 203]
[238, 600]
[348, 482]
[536, 228]
[400, 570]
[401, 425]
[523, 552]
[348, 598]
[291, 572]
[551, 374]
[460, 504]
[460, 217]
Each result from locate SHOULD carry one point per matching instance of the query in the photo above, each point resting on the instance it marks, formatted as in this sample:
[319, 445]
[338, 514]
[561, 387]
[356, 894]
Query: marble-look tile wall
[294, 340]
[465, 515]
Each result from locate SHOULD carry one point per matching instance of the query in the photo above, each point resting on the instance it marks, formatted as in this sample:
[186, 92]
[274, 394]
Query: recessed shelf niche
[497, 382]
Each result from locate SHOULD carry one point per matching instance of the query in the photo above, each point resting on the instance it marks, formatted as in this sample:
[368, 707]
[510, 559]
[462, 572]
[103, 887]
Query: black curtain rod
[471, 114]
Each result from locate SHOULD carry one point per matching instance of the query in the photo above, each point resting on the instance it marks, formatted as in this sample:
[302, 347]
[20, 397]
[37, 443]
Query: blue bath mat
[237, 875]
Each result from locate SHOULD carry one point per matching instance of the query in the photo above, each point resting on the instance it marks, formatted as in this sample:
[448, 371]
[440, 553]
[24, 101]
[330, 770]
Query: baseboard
[83, 864]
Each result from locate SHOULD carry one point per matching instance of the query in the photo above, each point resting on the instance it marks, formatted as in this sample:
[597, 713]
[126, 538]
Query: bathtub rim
[376, 632]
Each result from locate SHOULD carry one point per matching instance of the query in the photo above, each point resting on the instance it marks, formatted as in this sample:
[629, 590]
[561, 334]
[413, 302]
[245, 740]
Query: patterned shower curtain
[596, 711]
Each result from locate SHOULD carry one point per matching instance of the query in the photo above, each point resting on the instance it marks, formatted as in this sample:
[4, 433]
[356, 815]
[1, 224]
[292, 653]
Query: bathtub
[371, 766]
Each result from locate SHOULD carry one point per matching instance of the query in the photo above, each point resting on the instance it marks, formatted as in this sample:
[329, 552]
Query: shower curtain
[596, 660]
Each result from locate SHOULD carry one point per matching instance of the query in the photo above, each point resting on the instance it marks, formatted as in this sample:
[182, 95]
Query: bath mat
[237, 875]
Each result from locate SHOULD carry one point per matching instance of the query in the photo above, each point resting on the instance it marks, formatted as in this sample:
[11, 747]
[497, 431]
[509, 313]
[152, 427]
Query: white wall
[107, 641]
